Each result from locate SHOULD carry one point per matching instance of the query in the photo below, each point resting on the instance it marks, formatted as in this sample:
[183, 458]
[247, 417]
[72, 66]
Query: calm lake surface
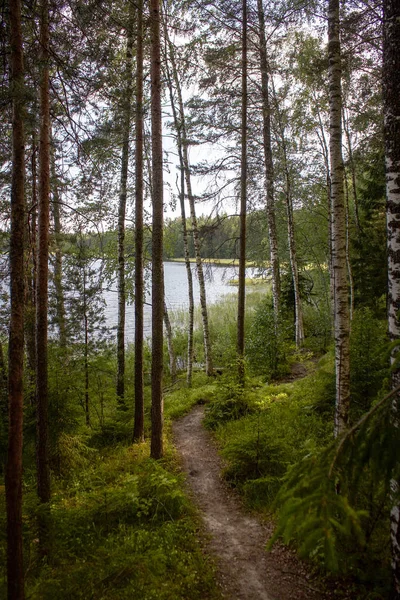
[176, 293]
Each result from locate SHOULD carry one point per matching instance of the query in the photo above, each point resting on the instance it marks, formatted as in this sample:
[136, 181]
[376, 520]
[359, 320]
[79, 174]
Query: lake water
[176, 293]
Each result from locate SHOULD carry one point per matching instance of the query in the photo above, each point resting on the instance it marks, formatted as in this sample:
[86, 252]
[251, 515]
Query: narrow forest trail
[237, 541]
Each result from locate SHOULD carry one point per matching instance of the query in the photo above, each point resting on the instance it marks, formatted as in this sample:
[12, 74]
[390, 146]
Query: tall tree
[42, 457]
[243, 204]
[157, 236]
[391, 97]
[58, 263]
[195, 229]
[338, 215]
[178, 127]
[138, 429]
[269, 166]
[15, 567]
[126, 128]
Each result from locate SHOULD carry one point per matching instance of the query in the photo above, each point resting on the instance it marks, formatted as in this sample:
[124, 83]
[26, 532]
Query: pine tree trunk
[60, 306]
[189, 274]
[195, 229]
[42, 450]
[171, 353]
[269, 167]
[391, 97]
[157, 237]
[13, 479]
[138, 428]
[243, 206]
[341, 303]
[126, 128]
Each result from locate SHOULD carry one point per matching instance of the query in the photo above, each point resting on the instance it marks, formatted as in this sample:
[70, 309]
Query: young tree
[338, 215]
[15, 566]
[391, 96]
[157, 237]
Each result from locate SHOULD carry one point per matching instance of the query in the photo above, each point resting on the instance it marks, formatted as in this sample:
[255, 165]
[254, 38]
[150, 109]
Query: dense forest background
[262, 133]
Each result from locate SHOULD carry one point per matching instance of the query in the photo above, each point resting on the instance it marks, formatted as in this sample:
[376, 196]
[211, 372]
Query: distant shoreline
[226, 262]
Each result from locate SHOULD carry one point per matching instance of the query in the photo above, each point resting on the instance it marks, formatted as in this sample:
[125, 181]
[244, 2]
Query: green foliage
[230, 404]
[368, 359]
[267, 343]
[123, 528]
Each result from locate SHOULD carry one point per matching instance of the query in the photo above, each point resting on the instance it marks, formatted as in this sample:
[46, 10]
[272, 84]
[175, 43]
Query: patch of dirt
[237, 540]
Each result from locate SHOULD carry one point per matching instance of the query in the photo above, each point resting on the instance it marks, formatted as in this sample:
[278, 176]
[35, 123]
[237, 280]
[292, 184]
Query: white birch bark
[195, 230]
[341, 303]
[391, 97]
[269, 166]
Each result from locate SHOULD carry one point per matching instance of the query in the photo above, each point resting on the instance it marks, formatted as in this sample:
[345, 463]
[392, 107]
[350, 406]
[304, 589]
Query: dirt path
[246, 571]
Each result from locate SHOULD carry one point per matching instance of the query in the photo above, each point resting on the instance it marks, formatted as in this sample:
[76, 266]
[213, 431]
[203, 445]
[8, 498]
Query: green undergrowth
[123, 527]
[277, 444]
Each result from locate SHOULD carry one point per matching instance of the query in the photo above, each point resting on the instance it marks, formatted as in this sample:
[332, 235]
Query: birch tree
[195, 229]
[269, 166]
[391, 97]
[338, 215]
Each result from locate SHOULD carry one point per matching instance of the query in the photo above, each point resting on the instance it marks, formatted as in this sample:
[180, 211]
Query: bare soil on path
[236, 539]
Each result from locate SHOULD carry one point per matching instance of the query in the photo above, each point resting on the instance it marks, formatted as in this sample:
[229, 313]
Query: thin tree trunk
[86, 351]
[189, 274]
[348, 262]
[60, 306]
[299, 327]
[352, 171]
[43, 471]
[269, 167]
[325, 153]
[31, 274]
[13, 479]
[391, 98]
[171, 353]
[138, 428]
[341, 304]
[243, 206]
[126, 128]
[195, 229]
[157, 237]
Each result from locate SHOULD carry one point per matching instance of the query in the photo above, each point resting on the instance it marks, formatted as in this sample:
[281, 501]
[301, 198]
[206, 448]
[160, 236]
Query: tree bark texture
[341, 300]
[13, 478]
[243, 206]
[157, 237]
[42, 457]
[126, 128]
[391, 97]
[195, 229]
[269, 166]
[138, 428]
